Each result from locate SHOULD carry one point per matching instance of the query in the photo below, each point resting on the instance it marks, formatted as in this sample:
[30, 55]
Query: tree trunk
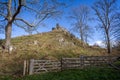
[108, 43]
[81, 36]
[8, 29]
[109, 47]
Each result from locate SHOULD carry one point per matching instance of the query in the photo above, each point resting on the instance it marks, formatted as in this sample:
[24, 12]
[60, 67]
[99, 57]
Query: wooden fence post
[82, 61]
[61, 63]
[31, 67]
[27, 68]
[24, 68]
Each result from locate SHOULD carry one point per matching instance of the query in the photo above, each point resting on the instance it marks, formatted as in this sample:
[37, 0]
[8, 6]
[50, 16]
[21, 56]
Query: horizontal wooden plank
[71, 63]
[42, 61]
[47, 63]
[46, 66]
[76, 62]
[70, 58]
[38, 72]
[47, 69]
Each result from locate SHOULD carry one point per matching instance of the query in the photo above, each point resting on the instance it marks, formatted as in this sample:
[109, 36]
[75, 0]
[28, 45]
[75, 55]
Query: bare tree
[106, 15]
[28, 29]
[117, 29]
[117, 34]
[25, 13]
[81, 16]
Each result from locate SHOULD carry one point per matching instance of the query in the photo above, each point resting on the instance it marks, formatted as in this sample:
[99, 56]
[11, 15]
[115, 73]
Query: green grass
[48, 47]
[85, 74]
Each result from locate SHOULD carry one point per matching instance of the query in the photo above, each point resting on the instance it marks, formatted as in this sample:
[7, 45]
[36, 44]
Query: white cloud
[100, 43]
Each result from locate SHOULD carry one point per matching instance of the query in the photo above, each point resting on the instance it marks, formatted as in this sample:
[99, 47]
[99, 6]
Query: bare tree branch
[3, 3]
[3, 15]
[81, 16]
[32, 9]
[27, 23]
[9, 15]
[105, 12]
[15, 5]
[18, 10]
[38, 10]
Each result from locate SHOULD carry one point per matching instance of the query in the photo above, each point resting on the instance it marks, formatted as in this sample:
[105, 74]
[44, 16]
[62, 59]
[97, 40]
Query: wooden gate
[38, 66]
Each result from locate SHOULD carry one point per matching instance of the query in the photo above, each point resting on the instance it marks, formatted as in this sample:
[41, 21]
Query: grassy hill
[55, 44]
[49, 45]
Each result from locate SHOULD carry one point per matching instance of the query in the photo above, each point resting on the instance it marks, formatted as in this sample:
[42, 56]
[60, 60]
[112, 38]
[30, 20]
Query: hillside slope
[49, 45]
[54, 44]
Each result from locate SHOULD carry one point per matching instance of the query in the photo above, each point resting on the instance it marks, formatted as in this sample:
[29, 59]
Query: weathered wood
[31, 69]
[82, 61]
[38, 66]
[27, 67]
[61, 61]
[24, 69]
[46, 65]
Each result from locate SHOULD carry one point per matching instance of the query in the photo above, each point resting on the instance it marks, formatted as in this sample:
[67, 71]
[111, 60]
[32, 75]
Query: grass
[49, 42]
[47, 47]
[85, 74]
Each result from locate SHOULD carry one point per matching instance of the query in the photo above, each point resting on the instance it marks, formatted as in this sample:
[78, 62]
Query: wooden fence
[86, 61]
[38, 66]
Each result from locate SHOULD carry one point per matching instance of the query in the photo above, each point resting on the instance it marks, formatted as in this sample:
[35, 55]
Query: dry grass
[44, 46]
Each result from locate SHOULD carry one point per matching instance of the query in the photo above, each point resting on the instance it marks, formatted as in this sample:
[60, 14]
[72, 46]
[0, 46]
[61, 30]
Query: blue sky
[63, 21]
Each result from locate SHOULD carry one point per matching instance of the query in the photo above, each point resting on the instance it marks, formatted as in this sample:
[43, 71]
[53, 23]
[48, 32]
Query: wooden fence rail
[38, 66]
